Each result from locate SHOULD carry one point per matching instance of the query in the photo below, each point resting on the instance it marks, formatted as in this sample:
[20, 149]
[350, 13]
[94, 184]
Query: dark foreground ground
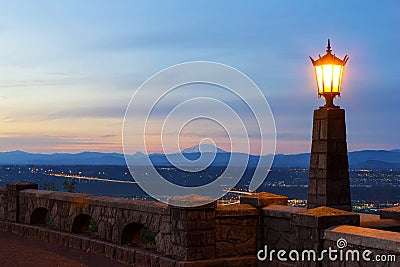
[17, 251]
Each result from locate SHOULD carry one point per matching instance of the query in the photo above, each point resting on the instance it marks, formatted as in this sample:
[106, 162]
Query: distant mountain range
[375, 159]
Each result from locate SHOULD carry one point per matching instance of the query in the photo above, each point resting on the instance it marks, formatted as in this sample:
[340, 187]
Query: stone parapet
[360, 239]
[205, 235]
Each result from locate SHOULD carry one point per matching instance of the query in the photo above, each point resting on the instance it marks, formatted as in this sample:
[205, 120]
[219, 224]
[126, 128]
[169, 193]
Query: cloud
[116, 111]
[46, 143]
[108, 135]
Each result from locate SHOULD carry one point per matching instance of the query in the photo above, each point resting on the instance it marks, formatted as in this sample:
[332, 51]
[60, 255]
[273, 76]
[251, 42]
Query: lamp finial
[328, 48]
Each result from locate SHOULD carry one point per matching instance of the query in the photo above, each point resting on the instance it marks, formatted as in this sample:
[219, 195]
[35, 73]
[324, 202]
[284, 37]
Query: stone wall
[112, 215]
[197, 236]
[3, 200]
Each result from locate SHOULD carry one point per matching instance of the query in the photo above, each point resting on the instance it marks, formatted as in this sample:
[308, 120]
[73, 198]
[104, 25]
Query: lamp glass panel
[318, 72]
[337, 69]
[327, 71]
[340, 77]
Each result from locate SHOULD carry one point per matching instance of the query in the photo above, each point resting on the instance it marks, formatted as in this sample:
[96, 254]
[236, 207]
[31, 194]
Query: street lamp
[328, 178]
[328, 72]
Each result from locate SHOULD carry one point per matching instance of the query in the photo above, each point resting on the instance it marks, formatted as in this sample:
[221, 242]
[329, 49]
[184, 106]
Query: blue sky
[69, 68]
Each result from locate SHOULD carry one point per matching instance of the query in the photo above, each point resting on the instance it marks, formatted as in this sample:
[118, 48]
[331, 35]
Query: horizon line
[121, 153]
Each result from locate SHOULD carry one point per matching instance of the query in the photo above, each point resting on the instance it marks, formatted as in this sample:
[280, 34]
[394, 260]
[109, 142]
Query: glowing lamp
[329, 71]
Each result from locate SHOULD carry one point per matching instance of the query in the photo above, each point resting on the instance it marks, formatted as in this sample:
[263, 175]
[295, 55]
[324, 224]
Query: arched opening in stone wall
[40, 216]
[84, 223]
[138, 235]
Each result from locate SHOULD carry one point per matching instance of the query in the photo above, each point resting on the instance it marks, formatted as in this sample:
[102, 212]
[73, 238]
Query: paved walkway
[17, 251]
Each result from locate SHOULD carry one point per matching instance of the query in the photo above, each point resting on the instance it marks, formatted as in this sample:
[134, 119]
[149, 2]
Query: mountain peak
[203, 148]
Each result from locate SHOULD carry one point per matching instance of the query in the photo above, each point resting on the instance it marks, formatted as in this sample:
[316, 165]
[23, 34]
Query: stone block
[166, 218]
[239, 233]
[18, 186]
[193, 225]
[312, 186]
[192, 201]
[336, 129]
[198, 253]
[329, 146]
[75, 198]
[365, 237]
[164, 243]
[86, 244]
[247, 247]
[329, 113]
[337, 161]
[125, 255]
[34, 232]
[324, 217]
[194, 238]
[277, 224]
[263, 199]
[314, 160]
[225, 249]
[5, 226]
[167, 262]
[341, 146]
[307, 233]
[18, 229]
[237, 210]
[144, 258]
[280, 211]
[75, 242]
[323, 131]
[391, 213]
[321, 186]
[165, 228]
[316, 129]
[322, 161]
[109, 250]
[54, 237]
[97, 246]
[247, 261]
[30, 194]
[192, 214]
[382, 224]
[64, 239]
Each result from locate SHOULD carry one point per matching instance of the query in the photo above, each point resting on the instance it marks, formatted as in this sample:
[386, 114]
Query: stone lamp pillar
[329, 183]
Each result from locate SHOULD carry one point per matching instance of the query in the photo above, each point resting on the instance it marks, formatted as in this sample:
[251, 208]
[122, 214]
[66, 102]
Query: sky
[68, 69]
